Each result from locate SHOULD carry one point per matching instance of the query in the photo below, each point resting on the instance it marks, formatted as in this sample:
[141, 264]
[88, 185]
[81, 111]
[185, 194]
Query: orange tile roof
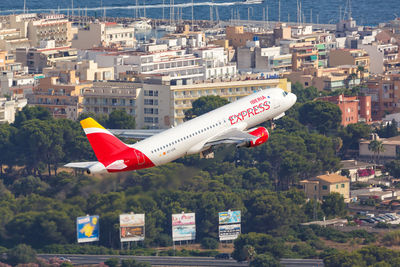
[333, 178]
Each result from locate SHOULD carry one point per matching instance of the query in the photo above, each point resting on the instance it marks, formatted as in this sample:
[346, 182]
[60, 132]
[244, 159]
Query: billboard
[183, 226]
[131, 227]
[229, 217]
[184, 232]
[87, 228]
[183, 219]
[229, 231]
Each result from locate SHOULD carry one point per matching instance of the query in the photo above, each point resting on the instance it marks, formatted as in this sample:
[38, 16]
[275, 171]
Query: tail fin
[104, 143]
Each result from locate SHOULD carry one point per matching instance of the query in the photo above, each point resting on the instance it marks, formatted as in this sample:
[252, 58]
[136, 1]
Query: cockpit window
[284, 93]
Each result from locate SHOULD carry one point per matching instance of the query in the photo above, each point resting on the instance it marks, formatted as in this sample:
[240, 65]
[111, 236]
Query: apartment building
[383, 57]
[354, 108]
[86, 70]
[105, 97]
[357, 57]
[104, 34]
[157, 60]
[39, 28]
[385, 95]
[61, 95]
[214, 60]
[321, 186]
[11, 39]
[8, 108]
[36, 59]
[256, 59]
[304, 56]
[328, 79]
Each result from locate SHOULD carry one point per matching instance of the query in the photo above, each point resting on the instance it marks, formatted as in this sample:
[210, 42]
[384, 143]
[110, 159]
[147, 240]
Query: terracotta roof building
[321, 186]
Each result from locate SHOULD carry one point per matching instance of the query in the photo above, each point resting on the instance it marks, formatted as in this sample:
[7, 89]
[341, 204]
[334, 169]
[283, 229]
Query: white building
[215, 62]
[45, 27]
[104, 34]
[8, 108]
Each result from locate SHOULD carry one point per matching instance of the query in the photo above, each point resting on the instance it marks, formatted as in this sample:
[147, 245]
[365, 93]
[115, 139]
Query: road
[177, 261]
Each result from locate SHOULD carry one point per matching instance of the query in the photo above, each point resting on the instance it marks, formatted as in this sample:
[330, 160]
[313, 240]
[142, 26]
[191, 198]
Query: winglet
[90, 123]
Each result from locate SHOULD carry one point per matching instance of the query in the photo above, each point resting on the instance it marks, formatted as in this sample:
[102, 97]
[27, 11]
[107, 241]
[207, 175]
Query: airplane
[229, 124]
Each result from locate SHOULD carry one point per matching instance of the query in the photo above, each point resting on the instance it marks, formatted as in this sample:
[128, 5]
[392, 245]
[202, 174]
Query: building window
[337, 186]
[148, 119]
[324, 187]
[342, 185]
[315, 188]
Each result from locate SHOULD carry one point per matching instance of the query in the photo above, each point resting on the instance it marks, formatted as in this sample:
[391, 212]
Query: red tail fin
[105, 145]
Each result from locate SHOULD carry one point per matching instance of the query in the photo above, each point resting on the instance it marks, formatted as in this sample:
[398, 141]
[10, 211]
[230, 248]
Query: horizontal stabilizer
[81, 165]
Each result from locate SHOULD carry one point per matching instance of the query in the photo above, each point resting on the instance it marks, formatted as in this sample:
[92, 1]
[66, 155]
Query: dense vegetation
[39, 202]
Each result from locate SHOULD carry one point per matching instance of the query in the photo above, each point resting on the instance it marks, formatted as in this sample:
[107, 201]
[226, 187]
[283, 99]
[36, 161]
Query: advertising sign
[87, 228]
[184, 232]
[226, 217]
[183, 219]
[131, 227]
[183, 226]
[229, 232]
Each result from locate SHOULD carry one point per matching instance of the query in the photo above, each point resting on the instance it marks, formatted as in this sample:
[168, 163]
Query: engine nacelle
[96, 168]
[261, 133]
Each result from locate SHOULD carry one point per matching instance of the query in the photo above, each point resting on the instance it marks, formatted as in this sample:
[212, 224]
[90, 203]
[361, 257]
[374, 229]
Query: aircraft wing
[232, 136]
[135, 134]
[81, 165]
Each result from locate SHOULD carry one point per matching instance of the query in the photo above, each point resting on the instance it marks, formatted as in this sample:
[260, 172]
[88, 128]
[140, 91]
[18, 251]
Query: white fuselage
[190, 137]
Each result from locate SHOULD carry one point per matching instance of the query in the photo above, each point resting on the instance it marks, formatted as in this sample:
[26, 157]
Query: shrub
[21, 254]
[209, 243]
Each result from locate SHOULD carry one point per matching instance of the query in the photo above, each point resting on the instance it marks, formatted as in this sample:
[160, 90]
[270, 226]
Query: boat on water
[251, 2]
[167, 28]
[142, 25]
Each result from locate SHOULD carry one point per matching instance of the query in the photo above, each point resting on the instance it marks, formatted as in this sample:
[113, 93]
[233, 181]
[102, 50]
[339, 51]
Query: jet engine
[262, 135]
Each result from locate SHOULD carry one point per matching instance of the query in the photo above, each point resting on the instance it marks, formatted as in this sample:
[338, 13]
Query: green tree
[390, 130]
[28, 185]
[353, 133]
[30, 113]
[333, 205]
[377, 147]
[393, 167]
[247, 246]
[323, 116]
[265, 260]
[40, 142]
[205, 104]
[112, 262]
[21, 254]
[6, 133]
[119, 119]
[305, 94]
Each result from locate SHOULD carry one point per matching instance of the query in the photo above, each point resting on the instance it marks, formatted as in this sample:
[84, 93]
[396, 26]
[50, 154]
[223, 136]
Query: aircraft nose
[293, 99]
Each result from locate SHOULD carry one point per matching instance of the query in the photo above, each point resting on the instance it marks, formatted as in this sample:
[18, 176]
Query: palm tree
[376, 147]
[361, 70]
[351, 77]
